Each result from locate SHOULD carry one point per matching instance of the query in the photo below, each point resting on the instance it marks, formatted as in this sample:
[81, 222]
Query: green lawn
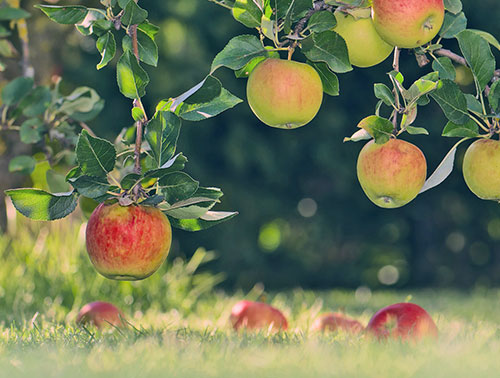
[181, 323]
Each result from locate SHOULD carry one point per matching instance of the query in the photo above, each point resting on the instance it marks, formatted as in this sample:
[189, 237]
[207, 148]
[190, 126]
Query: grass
[180, 323]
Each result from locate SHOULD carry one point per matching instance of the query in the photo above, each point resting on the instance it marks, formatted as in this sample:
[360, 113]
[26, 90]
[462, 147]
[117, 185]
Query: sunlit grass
[179, 322]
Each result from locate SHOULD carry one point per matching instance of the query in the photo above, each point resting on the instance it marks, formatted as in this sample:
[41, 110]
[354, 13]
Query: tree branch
[450, 54]
[395, 66]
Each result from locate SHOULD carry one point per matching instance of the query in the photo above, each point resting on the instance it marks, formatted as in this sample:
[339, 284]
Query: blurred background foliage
[304, 220]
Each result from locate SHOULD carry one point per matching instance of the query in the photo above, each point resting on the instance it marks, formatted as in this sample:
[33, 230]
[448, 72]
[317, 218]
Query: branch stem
[450, 54]
[395, 66]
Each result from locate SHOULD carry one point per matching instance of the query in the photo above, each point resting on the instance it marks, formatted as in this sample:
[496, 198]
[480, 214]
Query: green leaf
[329, 80]
[488, 37]
[175, 164]
[468, 130]
[420, 88]
[133, 14]
[379, 128]
[199, 112]
[473, 104]
[106, 45]
[162, 133]
[238, 52]
[149, 28]
[452, 101]
[7, 14]
[382, 92]
[191, 208]
[327, 47]
[249, 67]
[210, 219]
[443, 170]
[211, 88]
[36, 102]
[247, 12]
[95, 22]
[15, 90]
[148, 50]
[477, 52]
[40, 205]
[96, 156]
[177, 186]
[132, 79]
[453, 24]
[56, 182]
[123, 3]
[22, 164]
[82, 99]
[453, 6]
[494, 97]
[87, 116]
[321, 21]
[416, 130]
[268, 27]
[32, 130]
[445, 68]
[64, 14]
[138, 114]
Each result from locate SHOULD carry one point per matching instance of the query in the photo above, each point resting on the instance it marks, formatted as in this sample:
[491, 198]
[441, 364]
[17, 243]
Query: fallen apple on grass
[283, 93]
[257, 315]
[335, 322]
[481, 169]
[391, 174]
[128, 242]
[100, 314]
[407, 23]
[406, 321]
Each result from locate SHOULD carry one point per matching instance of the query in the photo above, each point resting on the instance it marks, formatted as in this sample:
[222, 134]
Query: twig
[86, 127]
[395, 66]
[450, 54]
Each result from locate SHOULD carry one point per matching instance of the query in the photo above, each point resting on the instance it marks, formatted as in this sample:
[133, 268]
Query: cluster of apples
[404, 321]
[288, 94]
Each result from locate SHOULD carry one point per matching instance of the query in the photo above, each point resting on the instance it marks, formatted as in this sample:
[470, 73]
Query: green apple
[127, 242]
[284, 93]
[391, 174]
[407, 23]
[364, 45]
[481, 169]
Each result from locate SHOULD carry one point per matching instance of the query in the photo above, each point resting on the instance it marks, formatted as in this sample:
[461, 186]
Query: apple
[406, 321]
[101, 314]
[257, 315]
[407, 23]
[391, 174]
[337, 321]
[481, 169]
[127, 242]
[364, 45]
[283, 93]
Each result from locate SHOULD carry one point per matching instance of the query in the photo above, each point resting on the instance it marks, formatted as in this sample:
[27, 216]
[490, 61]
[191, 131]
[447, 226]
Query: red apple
[407, 23]
[101, 314]
[257, 315]
[406, 321]
[337, 321]
[128, 242]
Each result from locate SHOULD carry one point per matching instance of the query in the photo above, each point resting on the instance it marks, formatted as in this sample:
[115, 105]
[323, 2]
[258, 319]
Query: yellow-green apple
[337, 321]
[128, 242]
[284, 93]
[391, 174]
[257, 315]
[406, 321]
[407, 23]
[481, 169]
[364, 45]
[101, 314]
